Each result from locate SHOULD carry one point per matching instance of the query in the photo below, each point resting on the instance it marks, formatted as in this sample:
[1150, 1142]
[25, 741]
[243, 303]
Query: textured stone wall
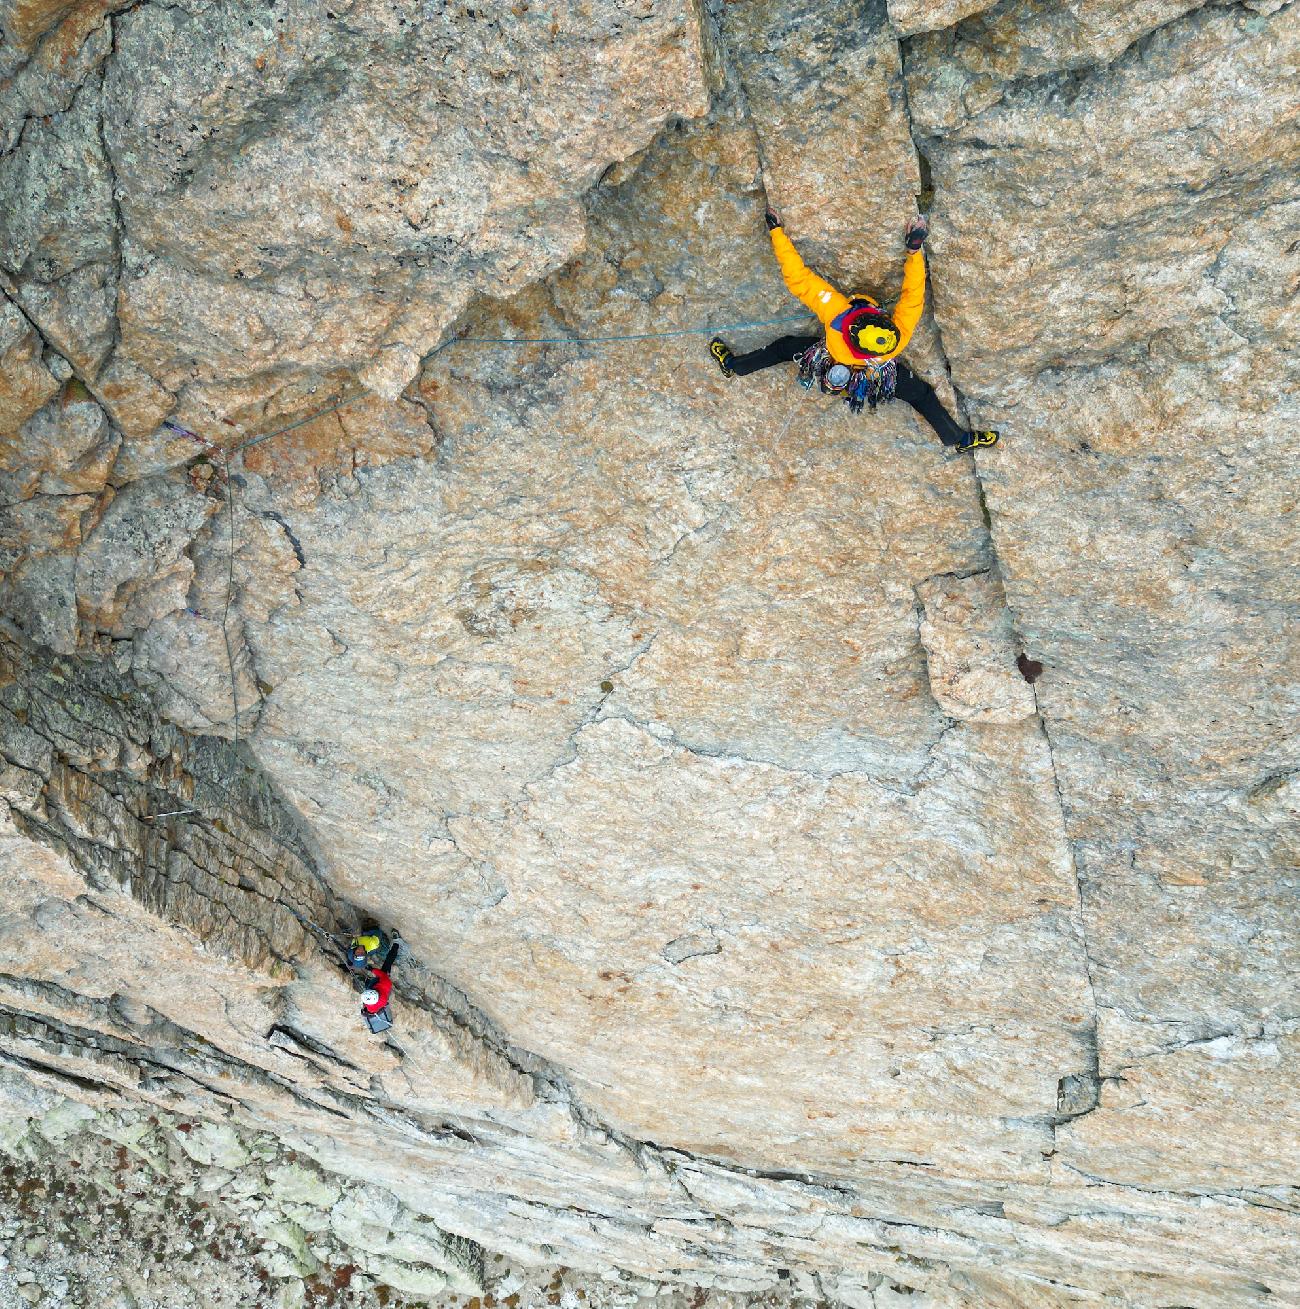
[823, 858]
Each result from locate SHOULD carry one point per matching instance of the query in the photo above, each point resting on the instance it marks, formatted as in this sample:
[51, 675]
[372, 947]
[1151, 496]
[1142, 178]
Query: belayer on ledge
[857, 355]
[371, 956]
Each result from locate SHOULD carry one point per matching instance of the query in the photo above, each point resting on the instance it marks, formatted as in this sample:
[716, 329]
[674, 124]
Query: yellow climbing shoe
[719, 349]
[974, 440]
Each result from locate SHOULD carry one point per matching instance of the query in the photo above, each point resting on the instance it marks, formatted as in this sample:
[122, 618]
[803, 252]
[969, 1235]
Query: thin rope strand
[525, 340]
[780, 436]
[625, 336]
[301, 422]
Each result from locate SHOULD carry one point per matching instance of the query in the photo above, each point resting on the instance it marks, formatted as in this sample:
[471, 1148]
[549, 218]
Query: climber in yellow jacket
[857, 352]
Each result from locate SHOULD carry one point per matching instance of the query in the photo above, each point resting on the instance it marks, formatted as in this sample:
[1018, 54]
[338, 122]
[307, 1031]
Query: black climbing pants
[781, 351]
[920, 395]
[916, 391]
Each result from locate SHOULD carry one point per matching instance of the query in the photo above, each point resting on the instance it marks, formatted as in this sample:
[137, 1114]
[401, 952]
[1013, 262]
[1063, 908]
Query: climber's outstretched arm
[817, 293]
[911, 301]
[907, 312]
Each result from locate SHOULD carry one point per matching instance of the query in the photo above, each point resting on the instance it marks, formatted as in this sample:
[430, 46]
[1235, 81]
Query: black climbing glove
[917, 230]
[772, 218]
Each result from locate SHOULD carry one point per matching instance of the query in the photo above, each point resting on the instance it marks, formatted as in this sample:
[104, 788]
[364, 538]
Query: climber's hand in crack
[772, 218]
[917, 230]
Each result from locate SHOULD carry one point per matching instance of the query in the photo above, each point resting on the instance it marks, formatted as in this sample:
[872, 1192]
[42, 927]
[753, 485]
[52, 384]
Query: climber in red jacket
[855, 353]
[374, 999]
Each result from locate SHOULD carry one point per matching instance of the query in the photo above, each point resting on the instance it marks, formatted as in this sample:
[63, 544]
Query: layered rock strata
[766, 915]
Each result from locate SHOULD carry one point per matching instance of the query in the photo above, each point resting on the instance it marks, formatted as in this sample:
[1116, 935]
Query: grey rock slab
[66, 448]
[970, 65]
[132, 566]
[59, 245]
[912, 16]
[825, 93]
[38, 542]
[971, 650]
[737, 942]
[1143, 245]
[1141, 513]
[25, 384]
[305, 189]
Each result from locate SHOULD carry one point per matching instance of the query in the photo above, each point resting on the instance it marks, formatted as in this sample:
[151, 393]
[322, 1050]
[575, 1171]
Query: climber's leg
[781, 351]
[920, 395]
[394, 952]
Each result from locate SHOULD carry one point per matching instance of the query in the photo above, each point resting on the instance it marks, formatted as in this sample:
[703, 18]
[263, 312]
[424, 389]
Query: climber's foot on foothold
[975, 440]
[719, 349]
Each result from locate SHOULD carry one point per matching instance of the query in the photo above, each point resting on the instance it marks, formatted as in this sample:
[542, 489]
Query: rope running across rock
[524, 340]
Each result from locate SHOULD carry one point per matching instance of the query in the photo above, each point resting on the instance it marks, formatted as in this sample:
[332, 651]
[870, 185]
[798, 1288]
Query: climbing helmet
[370, 997]
[870, 332]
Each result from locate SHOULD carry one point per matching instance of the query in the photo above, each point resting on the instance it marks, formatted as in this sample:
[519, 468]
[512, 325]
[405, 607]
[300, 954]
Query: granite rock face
[829, 866]
[1158, 391]
[971, 653]
[242, 199]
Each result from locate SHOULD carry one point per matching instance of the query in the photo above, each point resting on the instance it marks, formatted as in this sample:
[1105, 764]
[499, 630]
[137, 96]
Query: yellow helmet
[869, 332]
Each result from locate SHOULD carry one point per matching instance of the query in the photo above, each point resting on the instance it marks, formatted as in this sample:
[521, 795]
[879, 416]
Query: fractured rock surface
[824, 861]
[970, 650]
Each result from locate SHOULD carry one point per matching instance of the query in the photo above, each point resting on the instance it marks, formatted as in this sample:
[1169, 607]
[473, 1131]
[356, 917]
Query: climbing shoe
[719, 349]
[974, 440]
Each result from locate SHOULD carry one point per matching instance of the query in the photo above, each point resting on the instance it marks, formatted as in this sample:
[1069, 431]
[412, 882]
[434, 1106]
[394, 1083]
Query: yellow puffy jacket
[829, 304]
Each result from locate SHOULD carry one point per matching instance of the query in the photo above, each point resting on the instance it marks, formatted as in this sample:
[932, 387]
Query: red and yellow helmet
[869, 331]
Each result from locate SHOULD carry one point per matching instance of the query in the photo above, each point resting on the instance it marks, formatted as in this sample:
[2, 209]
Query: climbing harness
[866, 383]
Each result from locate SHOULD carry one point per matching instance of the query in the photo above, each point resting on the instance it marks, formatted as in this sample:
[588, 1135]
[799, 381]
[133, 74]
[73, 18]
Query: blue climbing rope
[527, 340]
[625, 336]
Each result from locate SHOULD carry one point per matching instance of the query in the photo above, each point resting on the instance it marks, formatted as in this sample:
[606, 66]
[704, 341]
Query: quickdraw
[866, 383]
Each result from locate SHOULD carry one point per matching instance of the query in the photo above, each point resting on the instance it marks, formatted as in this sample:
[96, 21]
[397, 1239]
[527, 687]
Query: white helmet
[370, 997]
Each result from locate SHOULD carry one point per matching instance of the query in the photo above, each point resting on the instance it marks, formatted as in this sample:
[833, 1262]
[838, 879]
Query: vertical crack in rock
[118, 227]
[926, 174]
[1074, 858]
[294, 543]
